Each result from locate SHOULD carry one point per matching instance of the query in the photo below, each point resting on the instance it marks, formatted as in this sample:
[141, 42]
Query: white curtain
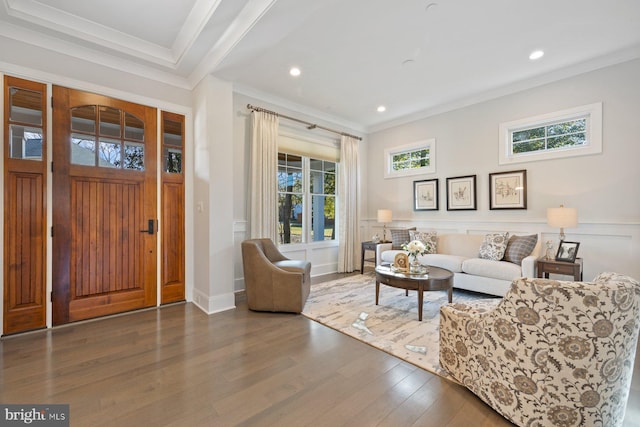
[263, 176]
[349, 197]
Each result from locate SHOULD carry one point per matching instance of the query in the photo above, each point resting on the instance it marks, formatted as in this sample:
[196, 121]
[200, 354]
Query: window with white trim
[306, 199]
[415, 159]
[567, 133]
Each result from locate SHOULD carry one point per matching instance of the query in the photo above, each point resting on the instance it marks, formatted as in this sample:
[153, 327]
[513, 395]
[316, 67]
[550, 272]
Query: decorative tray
[420, 272]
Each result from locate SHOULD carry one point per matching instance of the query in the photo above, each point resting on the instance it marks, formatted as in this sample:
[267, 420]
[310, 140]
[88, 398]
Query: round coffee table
[436, 279]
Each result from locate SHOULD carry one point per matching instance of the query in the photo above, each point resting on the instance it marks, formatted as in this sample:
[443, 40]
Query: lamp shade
[384, 215]
[562, 217]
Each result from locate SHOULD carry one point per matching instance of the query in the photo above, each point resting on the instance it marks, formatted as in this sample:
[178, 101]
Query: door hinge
[52, 231]
[52, 102]
[51, 297]
[51, 167]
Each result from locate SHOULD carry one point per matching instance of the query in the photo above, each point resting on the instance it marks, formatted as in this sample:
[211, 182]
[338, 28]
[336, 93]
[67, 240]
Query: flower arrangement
[415, 248]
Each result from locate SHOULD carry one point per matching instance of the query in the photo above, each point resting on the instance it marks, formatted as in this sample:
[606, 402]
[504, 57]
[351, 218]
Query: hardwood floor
[176, 366]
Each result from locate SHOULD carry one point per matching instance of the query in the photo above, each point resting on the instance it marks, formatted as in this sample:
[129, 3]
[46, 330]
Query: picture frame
[401, 261]
[567, 251]
[425, 195]
[508, 190]
[461, 193]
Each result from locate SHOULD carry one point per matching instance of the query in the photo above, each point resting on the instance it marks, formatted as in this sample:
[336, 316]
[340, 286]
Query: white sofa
[460, 253]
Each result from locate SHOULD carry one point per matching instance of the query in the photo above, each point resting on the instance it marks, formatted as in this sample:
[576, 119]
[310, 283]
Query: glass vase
[414, 265]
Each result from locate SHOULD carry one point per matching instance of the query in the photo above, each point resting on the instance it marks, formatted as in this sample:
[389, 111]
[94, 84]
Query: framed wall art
[508, 190]
[461, 193]
[425, 195]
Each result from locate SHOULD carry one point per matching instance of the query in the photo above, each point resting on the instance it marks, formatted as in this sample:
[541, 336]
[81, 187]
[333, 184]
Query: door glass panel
[134, 156]
[172, 160]
[172, 133]
[110, 156]
[26, 106]
[83, 149]
[83, 119]
[25, 142]
[133, 127]
[172, 139]
[110, 122]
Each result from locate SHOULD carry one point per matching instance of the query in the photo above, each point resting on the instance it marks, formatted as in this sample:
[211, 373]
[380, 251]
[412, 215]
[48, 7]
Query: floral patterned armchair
[551, 353]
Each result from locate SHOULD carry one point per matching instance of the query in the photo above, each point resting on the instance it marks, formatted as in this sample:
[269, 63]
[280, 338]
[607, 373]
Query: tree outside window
[306, 199]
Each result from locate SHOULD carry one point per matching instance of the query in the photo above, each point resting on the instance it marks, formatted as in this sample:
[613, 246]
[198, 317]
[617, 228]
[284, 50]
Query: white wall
[213, 193]
[604, 188]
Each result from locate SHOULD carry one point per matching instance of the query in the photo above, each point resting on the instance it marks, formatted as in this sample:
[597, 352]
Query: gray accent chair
[272, 281]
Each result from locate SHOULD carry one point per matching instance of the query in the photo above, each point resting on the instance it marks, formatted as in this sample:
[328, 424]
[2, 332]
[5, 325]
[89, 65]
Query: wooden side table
[368, 246]
[546, 266]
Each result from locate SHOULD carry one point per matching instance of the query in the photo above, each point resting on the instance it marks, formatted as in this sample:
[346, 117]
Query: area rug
[348, 305]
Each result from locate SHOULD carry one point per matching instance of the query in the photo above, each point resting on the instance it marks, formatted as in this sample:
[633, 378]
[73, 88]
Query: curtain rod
[308, 124]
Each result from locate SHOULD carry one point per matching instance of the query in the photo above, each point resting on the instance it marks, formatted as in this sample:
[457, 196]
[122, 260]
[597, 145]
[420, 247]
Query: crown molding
[244, 22]
[57, 46]
[83, 29]
[583, 67]
[193, 26]
[294, 108]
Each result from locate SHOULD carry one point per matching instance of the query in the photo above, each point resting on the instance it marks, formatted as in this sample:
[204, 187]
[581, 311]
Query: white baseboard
[214, 304]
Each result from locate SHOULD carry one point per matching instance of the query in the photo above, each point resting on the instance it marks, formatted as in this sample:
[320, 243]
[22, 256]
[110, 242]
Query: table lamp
[562, 218]
[384, 216]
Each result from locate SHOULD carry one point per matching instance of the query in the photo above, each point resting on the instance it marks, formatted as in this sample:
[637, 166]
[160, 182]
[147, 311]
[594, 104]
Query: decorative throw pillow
[400, 236]
[520, 247]
[493, 246]
[429, 238]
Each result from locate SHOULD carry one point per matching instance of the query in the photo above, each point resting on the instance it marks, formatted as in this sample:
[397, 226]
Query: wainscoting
[603, 246]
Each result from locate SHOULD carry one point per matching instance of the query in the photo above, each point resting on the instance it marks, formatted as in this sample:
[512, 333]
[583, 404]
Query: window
[99, 138]
[172, 142]
[25, 124]
[567, 133]
[415, 159]
[306, 199]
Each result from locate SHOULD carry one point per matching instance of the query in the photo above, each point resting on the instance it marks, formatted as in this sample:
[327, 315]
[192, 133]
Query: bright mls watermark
[34, 415]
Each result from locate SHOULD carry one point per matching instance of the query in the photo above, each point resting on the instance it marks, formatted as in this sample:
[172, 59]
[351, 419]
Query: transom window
[414, 159]
[306, 199]
[573, 132]
[552, 137]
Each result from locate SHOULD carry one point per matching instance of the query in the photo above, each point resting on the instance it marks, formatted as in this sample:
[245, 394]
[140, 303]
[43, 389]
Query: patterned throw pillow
[400, 236]
[520, 247]
[493, 246]
[429, 238]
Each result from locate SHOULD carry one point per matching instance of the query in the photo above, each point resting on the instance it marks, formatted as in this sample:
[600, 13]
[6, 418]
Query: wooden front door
[104, 206]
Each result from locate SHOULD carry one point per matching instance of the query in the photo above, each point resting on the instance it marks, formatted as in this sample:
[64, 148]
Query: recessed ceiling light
[381, 109]
[294, 71]
[536, 54]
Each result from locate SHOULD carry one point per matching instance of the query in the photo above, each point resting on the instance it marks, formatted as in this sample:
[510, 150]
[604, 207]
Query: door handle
[149, 229]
